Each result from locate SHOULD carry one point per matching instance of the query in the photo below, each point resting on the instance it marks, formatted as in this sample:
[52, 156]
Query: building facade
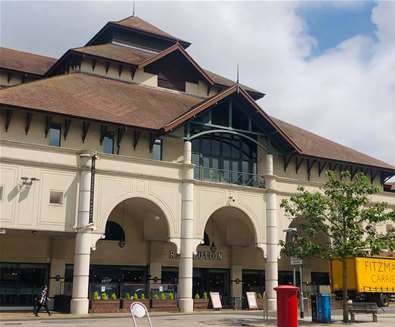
[127, 167]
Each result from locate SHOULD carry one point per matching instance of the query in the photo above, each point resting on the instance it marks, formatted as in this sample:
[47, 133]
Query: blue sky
[331, 24]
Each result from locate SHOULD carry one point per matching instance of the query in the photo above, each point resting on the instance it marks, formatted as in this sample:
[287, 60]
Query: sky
[328, 67]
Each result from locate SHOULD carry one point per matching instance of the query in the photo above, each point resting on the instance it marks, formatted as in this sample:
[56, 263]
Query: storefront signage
[201, 255]
[215, 300]
[251, 299]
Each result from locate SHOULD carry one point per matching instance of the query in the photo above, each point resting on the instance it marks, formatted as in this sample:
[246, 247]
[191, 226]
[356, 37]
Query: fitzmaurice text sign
[201, 255]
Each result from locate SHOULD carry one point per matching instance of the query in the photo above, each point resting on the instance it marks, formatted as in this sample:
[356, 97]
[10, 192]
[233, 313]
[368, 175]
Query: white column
[82, 252]
[186, 257]
[271, 267]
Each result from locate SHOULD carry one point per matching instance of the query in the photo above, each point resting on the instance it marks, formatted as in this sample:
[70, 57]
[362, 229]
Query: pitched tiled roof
[24, 61]
[133, 56]
[317, 146]
[226, 82]
[137, 23]
[92, 97]
[116, 52]
[101, 99]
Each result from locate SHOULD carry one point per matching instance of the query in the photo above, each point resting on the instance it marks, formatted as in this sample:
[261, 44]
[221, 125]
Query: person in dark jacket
[42, 301]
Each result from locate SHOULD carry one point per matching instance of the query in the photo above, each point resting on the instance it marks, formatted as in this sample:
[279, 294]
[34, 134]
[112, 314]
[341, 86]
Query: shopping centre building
[127, 167]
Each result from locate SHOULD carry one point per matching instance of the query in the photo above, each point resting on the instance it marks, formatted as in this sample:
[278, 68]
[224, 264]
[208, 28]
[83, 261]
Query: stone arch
[247, 218]
[165, 210]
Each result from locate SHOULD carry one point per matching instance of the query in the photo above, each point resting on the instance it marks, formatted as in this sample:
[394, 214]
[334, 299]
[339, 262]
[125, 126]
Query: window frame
[55, 126]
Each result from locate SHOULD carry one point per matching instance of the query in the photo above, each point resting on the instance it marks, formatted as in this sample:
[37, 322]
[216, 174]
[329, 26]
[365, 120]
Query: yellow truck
[370, 279]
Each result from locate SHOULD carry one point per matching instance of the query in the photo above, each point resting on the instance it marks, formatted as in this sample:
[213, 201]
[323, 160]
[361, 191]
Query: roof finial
[134, 8]
[237, 79]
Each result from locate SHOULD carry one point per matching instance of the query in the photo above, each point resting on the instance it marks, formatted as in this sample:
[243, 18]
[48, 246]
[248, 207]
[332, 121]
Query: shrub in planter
[162, 303]
[128, 300]
[200, 303]
[104, 305]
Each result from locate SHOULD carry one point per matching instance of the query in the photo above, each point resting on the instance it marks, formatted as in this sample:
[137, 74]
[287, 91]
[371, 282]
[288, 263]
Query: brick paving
[215, 319]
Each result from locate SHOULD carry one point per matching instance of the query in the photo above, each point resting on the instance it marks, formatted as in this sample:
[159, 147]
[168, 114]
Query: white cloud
[346, 94]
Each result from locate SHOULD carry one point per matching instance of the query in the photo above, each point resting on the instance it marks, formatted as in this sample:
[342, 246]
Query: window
[225, 158]
[54, 134]
[157, 150]
[114, 232]
[108, 142]
[1, 192]
[55, 197]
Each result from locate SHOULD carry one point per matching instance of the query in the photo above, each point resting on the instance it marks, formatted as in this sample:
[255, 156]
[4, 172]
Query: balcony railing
[228, 176]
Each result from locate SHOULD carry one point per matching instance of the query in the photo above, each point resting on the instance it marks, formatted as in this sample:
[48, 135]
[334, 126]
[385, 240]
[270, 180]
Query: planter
[164, 305]
[125, 304]
[200, 304]
[104, 306]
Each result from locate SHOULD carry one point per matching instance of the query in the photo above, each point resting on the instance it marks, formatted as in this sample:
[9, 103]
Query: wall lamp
[28, 181]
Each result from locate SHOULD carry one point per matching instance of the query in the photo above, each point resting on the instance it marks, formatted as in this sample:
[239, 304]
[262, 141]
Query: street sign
[295, 261]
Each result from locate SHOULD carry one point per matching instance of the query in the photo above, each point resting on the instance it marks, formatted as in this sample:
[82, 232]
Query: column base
[272, 305]
[186, 305]
[79, 306]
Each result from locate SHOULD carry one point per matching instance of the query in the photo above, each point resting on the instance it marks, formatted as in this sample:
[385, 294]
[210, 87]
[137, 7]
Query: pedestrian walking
[42, 301]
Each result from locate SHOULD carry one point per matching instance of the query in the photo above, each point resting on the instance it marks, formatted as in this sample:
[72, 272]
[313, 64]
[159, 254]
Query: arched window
[114, 232]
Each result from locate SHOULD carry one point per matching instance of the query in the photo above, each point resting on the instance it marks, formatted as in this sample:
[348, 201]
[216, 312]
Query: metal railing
[228, 176]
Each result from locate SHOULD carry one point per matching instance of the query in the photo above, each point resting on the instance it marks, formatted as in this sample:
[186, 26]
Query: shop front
[20, 283]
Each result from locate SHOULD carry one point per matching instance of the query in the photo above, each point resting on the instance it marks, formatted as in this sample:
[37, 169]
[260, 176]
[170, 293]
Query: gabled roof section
[235, 89]
[178, 48]
[100, 99]
[138, 25]
[119, 53]
[313, 145]
[24, 62]
[226, 82]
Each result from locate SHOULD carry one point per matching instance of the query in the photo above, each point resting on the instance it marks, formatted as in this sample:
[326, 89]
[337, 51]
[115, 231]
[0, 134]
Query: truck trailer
[370, 279]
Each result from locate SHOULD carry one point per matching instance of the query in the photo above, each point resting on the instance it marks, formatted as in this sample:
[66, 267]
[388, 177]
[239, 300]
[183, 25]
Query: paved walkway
[214, 319]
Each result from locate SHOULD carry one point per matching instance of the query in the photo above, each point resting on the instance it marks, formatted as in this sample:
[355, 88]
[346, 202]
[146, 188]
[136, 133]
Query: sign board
[296, 261]
[251, 299]
[103, 289]
[215, 300]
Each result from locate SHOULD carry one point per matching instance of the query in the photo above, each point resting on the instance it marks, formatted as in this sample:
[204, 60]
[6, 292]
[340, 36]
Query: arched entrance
[227, 255]
[128, 259]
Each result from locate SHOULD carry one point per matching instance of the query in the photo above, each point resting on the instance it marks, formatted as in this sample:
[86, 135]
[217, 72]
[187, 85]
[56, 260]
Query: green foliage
[135, 296]
[340, 221]
[171, 296]
[197, 297]
[205, 296]
[142, 296]
[104, 296]
[113, 296]
[342, 214]
[156, 297]
[163, 296]
[96, 295]
[127, 296]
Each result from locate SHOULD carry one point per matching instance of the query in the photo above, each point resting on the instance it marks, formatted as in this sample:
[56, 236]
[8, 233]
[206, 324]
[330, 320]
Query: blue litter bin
[324, 308]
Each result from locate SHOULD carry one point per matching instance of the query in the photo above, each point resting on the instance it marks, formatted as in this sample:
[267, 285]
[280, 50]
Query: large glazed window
[225, 158]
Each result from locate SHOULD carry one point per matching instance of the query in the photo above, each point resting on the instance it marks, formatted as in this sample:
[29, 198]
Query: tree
[344, 212]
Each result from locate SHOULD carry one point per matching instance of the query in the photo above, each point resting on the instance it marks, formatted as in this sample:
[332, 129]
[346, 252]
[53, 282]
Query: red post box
[287, 305]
